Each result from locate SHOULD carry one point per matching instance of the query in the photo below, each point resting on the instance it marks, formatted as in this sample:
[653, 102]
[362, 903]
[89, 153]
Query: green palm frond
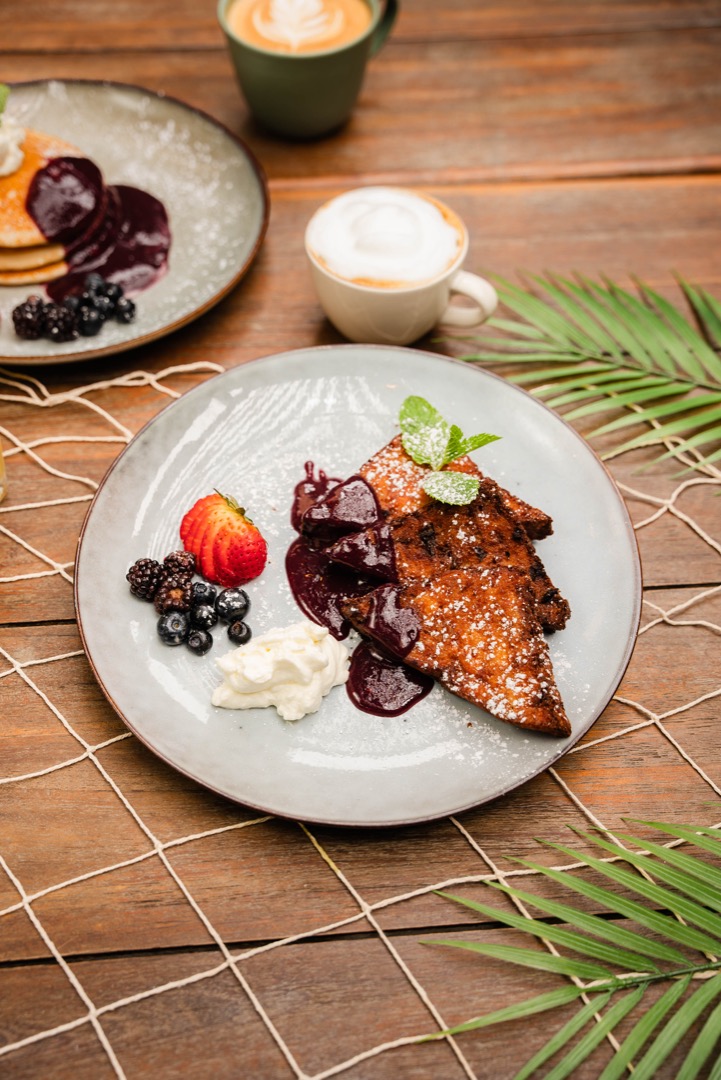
[674, 894]
[588, 348]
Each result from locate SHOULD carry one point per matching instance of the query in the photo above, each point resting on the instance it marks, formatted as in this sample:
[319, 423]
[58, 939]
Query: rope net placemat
[92, 421]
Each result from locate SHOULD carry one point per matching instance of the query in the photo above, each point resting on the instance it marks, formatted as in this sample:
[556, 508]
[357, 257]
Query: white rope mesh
[25, 392]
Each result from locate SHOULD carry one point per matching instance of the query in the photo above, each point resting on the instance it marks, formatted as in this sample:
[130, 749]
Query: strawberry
[229, 550]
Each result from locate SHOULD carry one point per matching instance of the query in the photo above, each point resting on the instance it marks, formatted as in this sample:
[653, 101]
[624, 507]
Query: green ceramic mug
[307, 92]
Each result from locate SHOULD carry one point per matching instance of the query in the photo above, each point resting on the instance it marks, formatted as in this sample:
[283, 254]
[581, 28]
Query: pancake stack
[69, 205]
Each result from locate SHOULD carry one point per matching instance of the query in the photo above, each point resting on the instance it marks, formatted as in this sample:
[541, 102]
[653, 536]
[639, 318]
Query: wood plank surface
[150, 928]
[637, 106]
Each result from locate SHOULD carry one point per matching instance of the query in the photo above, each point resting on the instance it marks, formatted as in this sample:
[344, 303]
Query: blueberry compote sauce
[344, 519]
[118, 231]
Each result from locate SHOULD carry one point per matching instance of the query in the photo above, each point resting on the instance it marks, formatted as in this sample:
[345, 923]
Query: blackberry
[29, 318]
[60, 323]
[199, 642]
[173, 628]
[239, 632]
[103, 305]
[173, 594]
[204, 593]
[180, 564]
[114, 291]
[124, 310]
[232, 604]
[203, 616]
[145, 576]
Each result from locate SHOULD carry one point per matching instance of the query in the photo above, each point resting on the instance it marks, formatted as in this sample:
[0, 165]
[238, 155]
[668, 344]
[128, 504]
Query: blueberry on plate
[232, 604]
[199, 642]
[239, 632]
[173, 627]
[203, 616]
[90, 322]
[204, 593]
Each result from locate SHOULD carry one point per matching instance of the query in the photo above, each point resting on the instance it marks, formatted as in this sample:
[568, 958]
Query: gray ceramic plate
[211, 185]
[249, 432]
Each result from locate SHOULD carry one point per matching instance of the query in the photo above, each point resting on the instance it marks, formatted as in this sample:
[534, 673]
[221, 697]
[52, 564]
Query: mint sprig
[4, 95]
[430, 440]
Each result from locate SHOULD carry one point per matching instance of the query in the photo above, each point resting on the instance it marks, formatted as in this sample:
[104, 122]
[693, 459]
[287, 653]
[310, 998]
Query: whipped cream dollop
[292, 668]
[384, 236]
[11, 146]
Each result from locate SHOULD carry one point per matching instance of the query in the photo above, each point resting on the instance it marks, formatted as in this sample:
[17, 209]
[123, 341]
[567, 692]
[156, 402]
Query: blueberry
[232, 604]
[199, 642]
[203, 616]
[173, 628]
[94, 282]
[90, 322]
[72, 303]
[203, 593]
[124, 310]
[239, 632]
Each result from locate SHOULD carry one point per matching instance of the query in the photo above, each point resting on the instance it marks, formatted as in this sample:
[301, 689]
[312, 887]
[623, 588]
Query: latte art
[297, 22]
[297, 26]
[385, 237]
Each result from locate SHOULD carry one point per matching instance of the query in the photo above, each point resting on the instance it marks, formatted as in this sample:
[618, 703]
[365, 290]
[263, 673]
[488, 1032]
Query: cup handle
[383, 28]
[477, 289]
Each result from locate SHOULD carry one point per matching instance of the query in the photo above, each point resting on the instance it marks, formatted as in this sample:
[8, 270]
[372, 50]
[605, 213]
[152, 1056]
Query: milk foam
[298, 22]
[383, 236]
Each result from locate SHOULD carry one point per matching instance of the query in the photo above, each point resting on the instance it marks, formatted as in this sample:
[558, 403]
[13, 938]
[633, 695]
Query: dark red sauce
[367, 552]
[65, 198]
[309, 491]
[348, 507]
[382, 685]
[391, 625]
[118, 231]
[347, 513]
[319, 586]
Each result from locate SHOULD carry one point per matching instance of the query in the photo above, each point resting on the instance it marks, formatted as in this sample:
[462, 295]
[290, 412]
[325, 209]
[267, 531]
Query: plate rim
[197, 312]
[514, 785]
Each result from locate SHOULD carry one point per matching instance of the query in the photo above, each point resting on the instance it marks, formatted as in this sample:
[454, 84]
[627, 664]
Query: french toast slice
[428, 537]
[477, 633]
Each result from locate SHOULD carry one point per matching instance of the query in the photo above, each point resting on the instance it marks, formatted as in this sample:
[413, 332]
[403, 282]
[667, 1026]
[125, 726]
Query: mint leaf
[416, 413]
[430, 440]
[455, 488]
[474, 443]
[4, 95]
[424, 432]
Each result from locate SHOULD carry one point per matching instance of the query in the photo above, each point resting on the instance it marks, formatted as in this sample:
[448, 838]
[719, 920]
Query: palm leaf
[614, 966]
[589, 348]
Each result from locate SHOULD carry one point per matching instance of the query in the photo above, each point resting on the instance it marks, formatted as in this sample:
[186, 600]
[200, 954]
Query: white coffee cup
[386, 263]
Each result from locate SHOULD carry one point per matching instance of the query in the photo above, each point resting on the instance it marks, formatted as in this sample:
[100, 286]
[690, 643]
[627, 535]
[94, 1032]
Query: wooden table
[570, 136]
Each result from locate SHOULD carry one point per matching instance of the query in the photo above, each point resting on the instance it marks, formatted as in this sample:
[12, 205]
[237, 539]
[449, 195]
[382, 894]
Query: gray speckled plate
[249, 432]
[211, 185]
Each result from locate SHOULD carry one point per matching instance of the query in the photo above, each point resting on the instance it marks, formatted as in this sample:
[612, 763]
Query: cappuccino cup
[386, 263]
[300, 63]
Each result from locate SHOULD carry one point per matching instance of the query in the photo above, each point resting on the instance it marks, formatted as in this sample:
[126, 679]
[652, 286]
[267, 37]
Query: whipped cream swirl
[11, 142]
[292, 668]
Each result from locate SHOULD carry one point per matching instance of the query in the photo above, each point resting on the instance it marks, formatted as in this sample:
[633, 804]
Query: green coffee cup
[308, 93]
